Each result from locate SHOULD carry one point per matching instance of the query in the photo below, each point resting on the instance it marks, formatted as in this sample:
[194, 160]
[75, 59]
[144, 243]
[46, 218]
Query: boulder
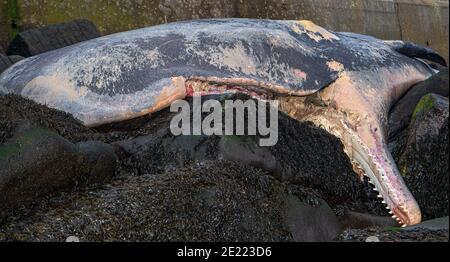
[37, 162]
[8, 61]
[308, 223]
[245, 150]
[43, 39]
[304, 155]
[5, 62]
[355, 220]
[16, 58]
[400, 115]
[98, 163]
[423, 161]
[209, 201]
[434, 224]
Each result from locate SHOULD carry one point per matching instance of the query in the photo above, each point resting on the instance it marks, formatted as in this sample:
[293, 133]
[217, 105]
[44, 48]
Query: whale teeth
[394, 216]
[391, 213]
[384, 202]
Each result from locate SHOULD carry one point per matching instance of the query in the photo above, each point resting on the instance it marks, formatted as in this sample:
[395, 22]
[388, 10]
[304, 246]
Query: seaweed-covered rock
[192, 188]
[208, 201]
[98, 163]
[394, 235]
[310, 223]
[435, 230]
[424, 158]
[15, 109]
[304, 155]
[37, 162]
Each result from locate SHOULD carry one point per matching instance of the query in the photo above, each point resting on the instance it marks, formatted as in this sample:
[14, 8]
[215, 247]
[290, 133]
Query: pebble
[72, 239]
[373, 239]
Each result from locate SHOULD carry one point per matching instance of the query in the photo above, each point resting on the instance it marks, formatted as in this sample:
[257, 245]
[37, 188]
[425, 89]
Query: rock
[246, 151]
[423, 161]
[99, 162]
[304, 155]
[400, 115]
[37, 162]
[435, 224]
[373, 239]
[72, 239]
[394, 235]
[209, 201]
[354, 220]
[310, 224]
[14, 108]
[5, 62]
[435, 230]
[39, 40]
[16, 58]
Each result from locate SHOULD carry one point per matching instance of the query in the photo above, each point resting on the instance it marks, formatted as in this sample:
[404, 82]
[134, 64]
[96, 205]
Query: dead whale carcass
[126, 75]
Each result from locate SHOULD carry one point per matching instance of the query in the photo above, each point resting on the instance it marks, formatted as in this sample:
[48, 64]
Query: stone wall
[422, 21]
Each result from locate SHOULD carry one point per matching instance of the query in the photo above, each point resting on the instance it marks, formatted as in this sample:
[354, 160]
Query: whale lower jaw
[374, 162]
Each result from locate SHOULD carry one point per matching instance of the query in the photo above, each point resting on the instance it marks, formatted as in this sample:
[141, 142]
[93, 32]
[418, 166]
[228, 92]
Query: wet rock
[35, 41]
[423, 161]
[304, 155]
[246, 151]
[394, 234]
[400, 115]
[37, 162]
[355, 220]
[72, 239]
[307, 223]
[14, 109]
[435, 224]
[209, 201]
[373, 239]
[5, 63]
[16, 58]
[99, 162]
[180, 188]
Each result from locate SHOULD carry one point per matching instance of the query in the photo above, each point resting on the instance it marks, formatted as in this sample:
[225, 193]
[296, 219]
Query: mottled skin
[127, 75]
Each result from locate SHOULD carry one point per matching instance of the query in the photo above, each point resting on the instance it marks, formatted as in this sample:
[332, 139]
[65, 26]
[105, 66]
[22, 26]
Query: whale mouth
[383, 175]
[372, 159]
[206, 88]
